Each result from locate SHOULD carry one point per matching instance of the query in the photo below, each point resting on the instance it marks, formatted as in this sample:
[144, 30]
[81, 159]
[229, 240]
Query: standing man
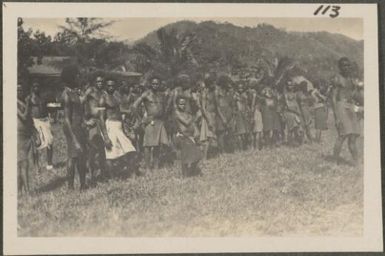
[42, 124]
[320, 111]
[24, 140]
[292, 115]
[73, 127]
[190, 154]
[241, 112]
[155, 134]
[208, 110]
[225, 115]
[344, 94]
[305, 100]
[96, 152]
[118, 145]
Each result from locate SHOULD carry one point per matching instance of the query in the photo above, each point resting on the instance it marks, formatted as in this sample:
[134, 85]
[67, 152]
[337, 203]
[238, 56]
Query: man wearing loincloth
[345, 94]
[225, 115]
[73, 127]
[190, 153]
[208, 109]
[241, 125]
[320, 111]
[96, 152]
[155, 134]
[42, 124]
[24, 140]
[292, 114]
[117, 144]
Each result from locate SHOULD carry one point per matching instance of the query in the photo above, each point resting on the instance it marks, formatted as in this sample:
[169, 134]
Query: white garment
[43, 126]
[121, 145]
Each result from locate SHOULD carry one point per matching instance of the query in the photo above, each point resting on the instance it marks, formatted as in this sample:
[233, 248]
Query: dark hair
[180, 97]
[343, 59]
[110, 79]
[224, 80]
[68, 74]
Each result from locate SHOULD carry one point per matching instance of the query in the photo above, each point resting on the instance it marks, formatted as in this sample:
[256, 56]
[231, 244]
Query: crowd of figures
[112, 127]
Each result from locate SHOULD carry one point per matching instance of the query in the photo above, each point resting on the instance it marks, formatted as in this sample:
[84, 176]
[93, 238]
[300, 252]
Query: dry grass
[277, 192]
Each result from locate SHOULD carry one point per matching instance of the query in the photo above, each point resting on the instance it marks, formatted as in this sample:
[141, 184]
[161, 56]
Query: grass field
[274, 192]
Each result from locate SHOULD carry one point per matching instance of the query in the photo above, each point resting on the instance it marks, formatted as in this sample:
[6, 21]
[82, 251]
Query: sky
[132, 29]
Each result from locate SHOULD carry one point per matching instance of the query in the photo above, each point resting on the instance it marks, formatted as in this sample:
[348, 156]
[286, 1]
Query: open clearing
[274, 192]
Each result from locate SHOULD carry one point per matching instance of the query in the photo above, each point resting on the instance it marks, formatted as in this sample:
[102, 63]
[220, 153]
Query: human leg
[338, 146]
[49, 157]
[352, 144]
[70, 172]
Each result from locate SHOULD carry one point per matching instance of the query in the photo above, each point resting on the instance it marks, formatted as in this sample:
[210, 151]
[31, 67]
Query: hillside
[224, 43]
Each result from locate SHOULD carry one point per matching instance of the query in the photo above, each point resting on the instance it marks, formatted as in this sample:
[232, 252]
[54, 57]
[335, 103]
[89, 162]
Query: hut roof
[50, 66]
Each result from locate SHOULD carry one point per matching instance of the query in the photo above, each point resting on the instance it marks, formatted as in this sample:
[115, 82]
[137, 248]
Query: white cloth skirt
[43, 126]
[121, 145]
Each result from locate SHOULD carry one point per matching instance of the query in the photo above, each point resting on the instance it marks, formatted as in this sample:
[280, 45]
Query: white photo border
[372, 235]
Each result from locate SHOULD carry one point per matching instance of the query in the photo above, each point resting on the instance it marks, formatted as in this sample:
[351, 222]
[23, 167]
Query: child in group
[190, 153]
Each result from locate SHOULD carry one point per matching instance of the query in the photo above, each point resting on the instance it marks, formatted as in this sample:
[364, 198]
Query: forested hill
[227, 44]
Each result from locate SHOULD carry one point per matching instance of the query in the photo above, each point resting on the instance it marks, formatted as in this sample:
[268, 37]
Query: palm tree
[174, 54]
[82, 30]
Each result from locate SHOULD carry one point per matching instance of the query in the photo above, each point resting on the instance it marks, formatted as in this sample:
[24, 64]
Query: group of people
[110, 125]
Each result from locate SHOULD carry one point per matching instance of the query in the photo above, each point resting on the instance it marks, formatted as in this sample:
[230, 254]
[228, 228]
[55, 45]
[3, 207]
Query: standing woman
[73, 127]
[320, 112]
[269, 114]
[346, 111]
[305, 100]
[24, 140]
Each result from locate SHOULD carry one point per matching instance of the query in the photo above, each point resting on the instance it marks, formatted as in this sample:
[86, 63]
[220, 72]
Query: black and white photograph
[194, 126]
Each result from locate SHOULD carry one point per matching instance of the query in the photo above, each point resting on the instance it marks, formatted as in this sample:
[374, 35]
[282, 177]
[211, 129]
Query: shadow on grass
[338, 161]
[60, 164]
[52, 185]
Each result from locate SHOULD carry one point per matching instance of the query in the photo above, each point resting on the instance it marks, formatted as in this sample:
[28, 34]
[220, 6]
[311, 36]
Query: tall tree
[174, 54]
[24, 49]
[83, 34]
[82, 30]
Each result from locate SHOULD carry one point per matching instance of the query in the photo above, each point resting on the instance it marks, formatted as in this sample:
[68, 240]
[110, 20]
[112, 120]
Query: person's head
[99, 82]
[209, 79]
[224, 81]
[241, 86]
[303, 86]
[20, 91]
[267, 91]
[184, 81]
[155, 83]
[125, 88]
[345, 66]
[35, 87]
[290, 85]
[181, 103]
[136, 88]
[70, 76]
[111, 85]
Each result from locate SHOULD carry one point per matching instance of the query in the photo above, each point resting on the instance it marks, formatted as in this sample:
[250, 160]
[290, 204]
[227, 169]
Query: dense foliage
[189, 47]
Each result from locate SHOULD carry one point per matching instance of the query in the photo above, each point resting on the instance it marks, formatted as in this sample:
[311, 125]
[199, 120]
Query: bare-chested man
[24, 140]
[118, 145]
[241, 115]
[96, 152]
[73, 127]
[155, 134]
[225, 114]
[190, 153]
[208, 109]
[292, 115]
[39, 113]
[345, 99]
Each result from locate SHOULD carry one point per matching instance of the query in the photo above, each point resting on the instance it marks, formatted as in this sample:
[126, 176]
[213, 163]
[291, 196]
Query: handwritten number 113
[332, 9]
